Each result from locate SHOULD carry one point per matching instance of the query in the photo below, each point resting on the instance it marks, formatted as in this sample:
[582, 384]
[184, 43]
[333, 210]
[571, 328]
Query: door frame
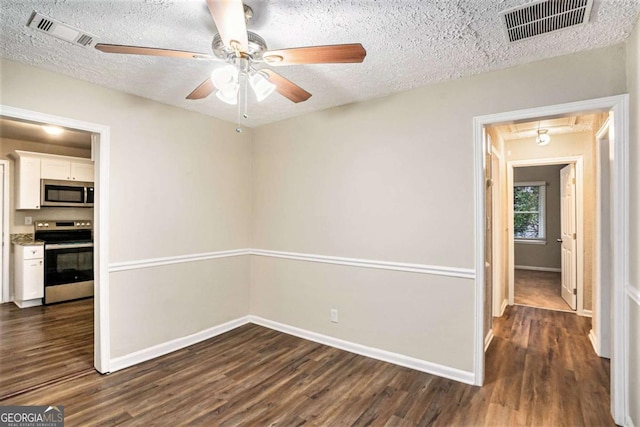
[600, 340]
[578, 161]
[619, 106]
[6, 235]
[100, 154]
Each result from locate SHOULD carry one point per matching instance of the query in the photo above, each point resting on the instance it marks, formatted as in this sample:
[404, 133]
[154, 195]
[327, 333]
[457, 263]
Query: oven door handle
[67, 246]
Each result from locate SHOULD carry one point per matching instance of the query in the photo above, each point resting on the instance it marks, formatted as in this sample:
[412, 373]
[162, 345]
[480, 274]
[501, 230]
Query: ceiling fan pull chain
[242, 101]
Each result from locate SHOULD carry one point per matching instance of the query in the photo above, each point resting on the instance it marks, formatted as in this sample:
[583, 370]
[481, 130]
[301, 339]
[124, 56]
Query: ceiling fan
[246, 54]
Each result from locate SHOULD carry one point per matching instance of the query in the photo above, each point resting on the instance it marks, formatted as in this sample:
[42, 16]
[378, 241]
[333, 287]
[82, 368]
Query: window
[528, 211]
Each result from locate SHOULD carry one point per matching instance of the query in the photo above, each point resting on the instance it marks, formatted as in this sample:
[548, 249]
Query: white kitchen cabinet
[67, 170]
[82, 171]
[29, 275]
[27, 182]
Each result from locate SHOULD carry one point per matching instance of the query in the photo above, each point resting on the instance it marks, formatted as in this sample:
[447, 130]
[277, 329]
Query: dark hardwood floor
[539, 289]
[541, 371]
[42, 344]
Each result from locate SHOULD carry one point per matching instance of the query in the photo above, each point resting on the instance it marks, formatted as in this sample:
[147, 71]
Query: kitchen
[51, 217]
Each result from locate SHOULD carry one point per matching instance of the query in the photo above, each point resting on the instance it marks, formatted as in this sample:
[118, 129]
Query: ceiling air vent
[59, 30]
[545, 16]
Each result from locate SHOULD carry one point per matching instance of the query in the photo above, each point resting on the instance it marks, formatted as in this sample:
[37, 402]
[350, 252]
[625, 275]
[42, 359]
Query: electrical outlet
[334, 315]
[28, 220]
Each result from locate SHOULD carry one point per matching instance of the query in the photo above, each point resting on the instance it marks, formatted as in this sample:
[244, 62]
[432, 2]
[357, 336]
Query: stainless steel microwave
[66, 193]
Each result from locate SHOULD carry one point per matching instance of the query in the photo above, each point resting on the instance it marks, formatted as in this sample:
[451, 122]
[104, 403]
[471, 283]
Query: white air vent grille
[545, 16]
[60, 30]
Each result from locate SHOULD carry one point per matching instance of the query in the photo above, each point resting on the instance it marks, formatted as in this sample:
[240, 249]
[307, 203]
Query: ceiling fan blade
[203, 90]
[230, 21]
[339, 53]
[139, 50]
[287, 88]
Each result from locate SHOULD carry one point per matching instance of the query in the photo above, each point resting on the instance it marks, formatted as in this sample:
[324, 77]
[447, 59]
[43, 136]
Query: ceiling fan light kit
[246, 55]
[543, 137]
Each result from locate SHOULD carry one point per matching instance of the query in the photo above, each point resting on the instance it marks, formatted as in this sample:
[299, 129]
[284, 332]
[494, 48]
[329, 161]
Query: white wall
[633, 82]
[392, 179]
[179, 185]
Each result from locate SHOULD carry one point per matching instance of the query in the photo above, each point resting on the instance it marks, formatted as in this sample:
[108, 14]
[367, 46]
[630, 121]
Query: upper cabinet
[32, 167]
[67, 170]
[27, 182]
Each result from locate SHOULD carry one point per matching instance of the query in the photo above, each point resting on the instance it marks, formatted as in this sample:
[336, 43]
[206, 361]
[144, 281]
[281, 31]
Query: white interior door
[568, 231]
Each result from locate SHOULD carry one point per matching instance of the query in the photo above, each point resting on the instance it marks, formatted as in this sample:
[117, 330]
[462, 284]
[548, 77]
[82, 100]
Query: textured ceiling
[409, 44]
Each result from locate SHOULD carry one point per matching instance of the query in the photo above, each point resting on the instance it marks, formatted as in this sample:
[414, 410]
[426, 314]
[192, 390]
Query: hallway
[544, 371]
[539, 289]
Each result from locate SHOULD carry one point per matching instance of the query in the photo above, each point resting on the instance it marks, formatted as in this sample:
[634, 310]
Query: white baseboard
[374, 353]
[529, 267]
[149, 353]
[488, 339]
[28, 303]
[587, 313]
[594, 341]
[503, 306]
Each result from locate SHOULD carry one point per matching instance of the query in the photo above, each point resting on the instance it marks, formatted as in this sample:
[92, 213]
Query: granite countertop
[25, 239]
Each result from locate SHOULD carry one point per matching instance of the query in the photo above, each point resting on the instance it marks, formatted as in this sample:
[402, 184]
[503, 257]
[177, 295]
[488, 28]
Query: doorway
[539, 223]
[100, 153]
[618, 107]
[4, 223]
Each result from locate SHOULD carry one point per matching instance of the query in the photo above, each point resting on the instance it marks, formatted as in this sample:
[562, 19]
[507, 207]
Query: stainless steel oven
[68, 259]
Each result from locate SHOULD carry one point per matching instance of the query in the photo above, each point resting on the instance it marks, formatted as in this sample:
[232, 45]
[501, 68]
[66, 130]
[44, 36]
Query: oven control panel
[82, 224]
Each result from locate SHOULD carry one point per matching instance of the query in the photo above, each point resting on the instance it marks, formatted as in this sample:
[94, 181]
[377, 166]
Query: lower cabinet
[29, 276]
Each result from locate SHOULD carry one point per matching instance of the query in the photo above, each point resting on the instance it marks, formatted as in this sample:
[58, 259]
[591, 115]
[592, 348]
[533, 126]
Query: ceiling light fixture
[543, 137]
[53, 130]
[232, 80]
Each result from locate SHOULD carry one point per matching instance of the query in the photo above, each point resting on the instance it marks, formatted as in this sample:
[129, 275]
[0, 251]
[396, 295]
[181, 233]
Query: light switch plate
[28, 220]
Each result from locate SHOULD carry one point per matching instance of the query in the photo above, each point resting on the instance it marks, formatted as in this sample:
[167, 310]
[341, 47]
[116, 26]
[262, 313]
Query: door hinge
[575, 291]
[573, 181]
[575, 236]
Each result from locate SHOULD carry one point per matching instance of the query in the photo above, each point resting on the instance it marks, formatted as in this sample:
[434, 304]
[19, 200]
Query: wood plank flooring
[41, 344]
[539, 289]
[541, 370]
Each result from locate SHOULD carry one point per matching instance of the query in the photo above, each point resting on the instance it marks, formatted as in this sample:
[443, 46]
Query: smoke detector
[545, 16]
[60, 30]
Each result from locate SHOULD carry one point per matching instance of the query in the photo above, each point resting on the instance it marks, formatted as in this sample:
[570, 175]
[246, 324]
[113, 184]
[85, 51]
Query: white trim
[488, 339]
[374, 353]
[149, 353]
[6, 231]
[156, 262]
[587, 313]
[594, 341]
[100, 149]
[633, 293]
[602, 273]
[503, 306]
[520, 241]
[629, 422]
[466, 273]
[619, 106]
[28, 303]
[532, 268]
